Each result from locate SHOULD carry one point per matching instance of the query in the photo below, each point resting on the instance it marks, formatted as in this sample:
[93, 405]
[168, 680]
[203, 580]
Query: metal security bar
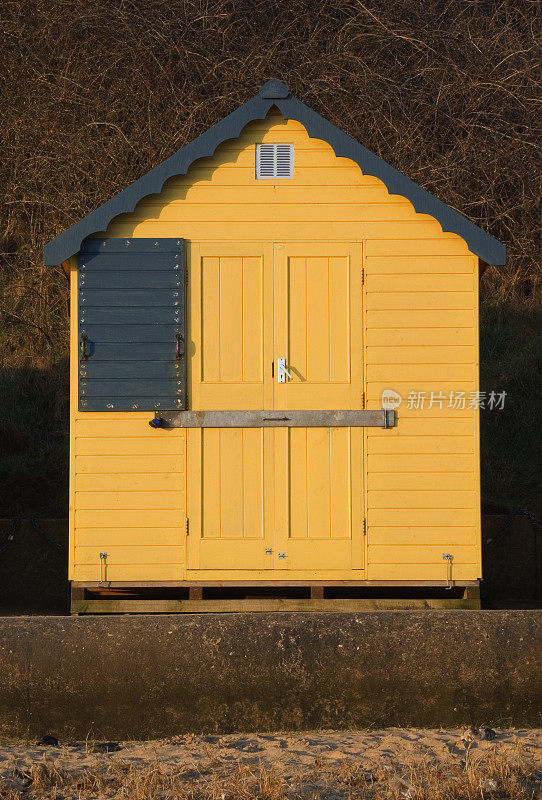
[382, 418]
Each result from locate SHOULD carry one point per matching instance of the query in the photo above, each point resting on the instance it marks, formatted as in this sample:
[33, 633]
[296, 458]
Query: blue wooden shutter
[131, 325]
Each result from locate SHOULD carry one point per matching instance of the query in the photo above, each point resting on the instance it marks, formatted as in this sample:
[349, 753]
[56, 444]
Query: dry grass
[493, 775]
[94, 94]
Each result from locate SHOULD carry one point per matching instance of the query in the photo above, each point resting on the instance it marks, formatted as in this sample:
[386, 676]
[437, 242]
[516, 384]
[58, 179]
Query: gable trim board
[275, 93]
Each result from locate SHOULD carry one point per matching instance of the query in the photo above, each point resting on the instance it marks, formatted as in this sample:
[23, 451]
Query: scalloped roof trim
[274, 93]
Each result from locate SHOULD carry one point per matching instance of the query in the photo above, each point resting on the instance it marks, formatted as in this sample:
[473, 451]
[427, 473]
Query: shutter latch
[179, 346]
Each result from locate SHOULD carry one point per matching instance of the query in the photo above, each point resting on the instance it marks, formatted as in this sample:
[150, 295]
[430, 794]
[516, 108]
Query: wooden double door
[263, 499]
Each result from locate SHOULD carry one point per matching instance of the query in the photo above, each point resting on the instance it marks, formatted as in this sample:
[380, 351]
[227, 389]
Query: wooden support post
[317, 592]
[195, 593]
[77, 593]
[471, 595]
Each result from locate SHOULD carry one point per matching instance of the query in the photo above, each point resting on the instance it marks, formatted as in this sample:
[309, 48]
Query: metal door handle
[282, 372]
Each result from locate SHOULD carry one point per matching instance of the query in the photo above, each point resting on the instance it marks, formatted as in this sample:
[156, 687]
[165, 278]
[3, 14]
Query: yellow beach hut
[274, 380]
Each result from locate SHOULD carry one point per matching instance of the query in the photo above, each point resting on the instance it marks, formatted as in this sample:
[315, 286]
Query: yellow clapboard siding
[432, 498]
[207, 173]
[416, 228]
[147, 571]
[398, 537]
[98, 464]
[415, 482]
[391, 301]
[422, 554]
[242, 231]
[129, 445]
[439, 425]
[129, 518]
[386, 217]
[399, 571]
[428, 265]
[424, 517]
[379, 338]
[363, 195]
[106, 428]
[112, 416]
[375, 389]
[303, 157]
[318, 228]
[158, 554]
[436, 373]
[420, 355]
[438, 463]
[118, 482]
[404, 412]
[422, 444]
[443, 246]
[416, 318]
[128, 500]
[420, 283]
[130, 537]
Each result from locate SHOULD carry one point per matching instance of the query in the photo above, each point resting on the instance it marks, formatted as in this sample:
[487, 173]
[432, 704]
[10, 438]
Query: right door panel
[318, 471]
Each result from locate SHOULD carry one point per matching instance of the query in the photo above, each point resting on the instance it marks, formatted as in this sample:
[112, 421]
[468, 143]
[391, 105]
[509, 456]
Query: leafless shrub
[94, 94]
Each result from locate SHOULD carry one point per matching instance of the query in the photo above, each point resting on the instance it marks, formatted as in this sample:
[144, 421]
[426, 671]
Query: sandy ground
[292, 757]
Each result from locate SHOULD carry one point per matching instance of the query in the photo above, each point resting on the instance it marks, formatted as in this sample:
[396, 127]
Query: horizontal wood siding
[127, 488]
[423, 491]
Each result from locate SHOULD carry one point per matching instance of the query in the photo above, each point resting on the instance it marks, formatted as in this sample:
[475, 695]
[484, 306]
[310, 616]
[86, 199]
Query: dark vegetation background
[94, 94]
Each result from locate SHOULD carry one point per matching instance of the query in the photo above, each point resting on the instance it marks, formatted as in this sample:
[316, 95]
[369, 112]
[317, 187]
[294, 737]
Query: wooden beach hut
[274, 380]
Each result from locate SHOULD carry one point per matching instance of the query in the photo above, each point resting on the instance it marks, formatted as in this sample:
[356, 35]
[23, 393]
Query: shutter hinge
[187, 526]
[365, 526]
[362, 275]
[363, 399]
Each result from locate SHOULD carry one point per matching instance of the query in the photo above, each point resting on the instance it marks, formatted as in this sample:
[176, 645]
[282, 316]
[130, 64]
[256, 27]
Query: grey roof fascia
[344, 146]
[69, 242]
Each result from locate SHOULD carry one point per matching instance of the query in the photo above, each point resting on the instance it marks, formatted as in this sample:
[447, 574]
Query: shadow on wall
[34, 566]
[511, 445]
[34, 441]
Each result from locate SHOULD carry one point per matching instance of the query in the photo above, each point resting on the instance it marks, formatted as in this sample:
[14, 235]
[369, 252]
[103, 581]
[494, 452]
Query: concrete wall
[153, 676]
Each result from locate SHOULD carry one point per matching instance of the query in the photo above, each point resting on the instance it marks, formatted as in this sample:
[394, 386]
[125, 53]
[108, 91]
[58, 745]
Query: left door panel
[230, 356]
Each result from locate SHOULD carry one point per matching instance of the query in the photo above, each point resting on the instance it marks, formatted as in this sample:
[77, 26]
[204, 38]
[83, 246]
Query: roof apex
[274, 93]
[274, 89]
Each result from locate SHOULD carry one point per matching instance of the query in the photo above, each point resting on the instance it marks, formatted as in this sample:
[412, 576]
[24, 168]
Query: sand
[295, 760]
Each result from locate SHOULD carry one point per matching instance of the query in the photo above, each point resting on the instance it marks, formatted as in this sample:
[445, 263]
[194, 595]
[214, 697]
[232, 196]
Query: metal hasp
[448, 558]
[381, 418]
[103, 567]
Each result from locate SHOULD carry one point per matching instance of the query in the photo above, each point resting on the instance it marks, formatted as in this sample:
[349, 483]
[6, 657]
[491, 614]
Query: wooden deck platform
[237, 597]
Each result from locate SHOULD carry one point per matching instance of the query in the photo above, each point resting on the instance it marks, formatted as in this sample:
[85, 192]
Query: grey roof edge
[275, 93]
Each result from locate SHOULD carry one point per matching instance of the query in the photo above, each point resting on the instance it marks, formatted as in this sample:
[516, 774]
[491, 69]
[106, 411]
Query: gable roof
[274, 93]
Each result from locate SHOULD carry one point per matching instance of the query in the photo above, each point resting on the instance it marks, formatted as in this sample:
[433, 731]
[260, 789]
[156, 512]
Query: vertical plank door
[318, 471]
[229, 345]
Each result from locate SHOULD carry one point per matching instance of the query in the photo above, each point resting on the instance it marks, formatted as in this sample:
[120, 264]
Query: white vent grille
[274, 160]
